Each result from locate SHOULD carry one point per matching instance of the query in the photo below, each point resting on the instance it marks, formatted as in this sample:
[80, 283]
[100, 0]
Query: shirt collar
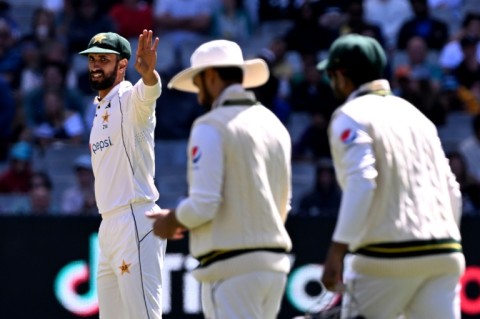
[370, 87]
[233, 92]
[122, 86]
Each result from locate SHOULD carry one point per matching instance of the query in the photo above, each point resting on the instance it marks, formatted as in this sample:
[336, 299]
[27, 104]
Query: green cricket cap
[109, 42]
[357, 53]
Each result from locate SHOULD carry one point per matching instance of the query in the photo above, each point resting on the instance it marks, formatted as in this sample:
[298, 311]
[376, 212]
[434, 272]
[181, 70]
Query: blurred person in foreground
[239, 178]
[121, 142]
[401, 205]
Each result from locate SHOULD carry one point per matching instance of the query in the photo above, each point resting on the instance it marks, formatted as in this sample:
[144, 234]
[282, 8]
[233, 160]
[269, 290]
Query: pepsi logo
[196, 154]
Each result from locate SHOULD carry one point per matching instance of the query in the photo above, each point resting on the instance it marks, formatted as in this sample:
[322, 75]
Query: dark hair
[365, 75]
[60, 66]
[468, 41]
[230, 74]
[45, 180]
[469, 17]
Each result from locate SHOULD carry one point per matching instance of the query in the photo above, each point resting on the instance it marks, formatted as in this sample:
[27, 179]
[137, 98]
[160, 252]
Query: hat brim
[255, 73]
[322, 65]
[97, 50]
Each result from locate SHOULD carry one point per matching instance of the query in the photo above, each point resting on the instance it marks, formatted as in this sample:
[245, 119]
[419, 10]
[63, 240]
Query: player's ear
[122, 65]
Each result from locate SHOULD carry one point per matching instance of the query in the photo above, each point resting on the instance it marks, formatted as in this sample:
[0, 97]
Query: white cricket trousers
[253, 295]
[129, 272]
[416, 297]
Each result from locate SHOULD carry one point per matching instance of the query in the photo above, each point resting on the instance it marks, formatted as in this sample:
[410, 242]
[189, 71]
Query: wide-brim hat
[109, 42]
[217, 54]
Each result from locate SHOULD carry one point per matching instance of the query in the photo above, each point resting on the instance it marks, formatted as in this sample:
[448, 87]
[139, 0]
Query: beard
[207, 101]
[107, 82]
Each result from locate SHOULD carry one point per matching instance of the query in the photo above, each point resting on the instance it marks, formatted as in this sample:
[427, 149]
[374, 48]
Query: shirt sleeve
[206, 177]
[455, 193]
[354, 160]
[145, 98]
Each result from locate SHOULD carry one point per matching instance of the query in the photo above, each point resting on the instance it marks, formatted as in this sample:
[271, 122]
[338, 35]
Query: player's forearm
[150, 78]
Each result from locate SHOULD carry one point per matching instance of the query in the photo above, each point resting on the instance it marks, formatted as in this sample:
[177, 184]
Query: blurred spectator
[418, 62]
[39, 201]
[183, 25]
[53, 80]
[389, 15]
[332, 15]
[313, 142]
[176, 122]
[312, 93]
[470, 149]
[449, 11]
[55, 51]
[468, 71]
[231, 21]
[59, 124]
[16, 178]
[87, 20]
[80, 198]
[64, 13]
[7, 116]
[468, 186]
[434, 31]
[131, 17]
[324, 199]
[315, 96]
[31, 75]
[10, 55]
[416, 87]
[275, 93]
[54, 5]
[269, 11]
[306, 26]
[5, 13]
[355, 22]
[470, 97]
[451, 54]
[43, 27]
[448, 100]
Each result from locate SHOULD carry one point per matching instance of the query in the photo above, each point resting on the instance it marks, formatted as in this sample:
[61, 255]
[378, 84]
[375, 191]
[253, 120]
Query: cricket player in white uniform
[121, 143]
[401, 205]
[239, 187]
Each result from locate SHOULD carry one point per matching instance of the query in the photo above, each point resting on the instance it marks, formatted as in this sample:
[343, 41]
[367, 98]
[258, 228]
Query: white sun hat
[220, 53]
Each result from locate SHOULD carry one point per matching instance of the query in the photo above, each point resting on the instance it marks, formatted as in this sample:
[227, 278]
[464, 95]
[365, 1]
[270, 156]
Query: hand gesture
[146, 57]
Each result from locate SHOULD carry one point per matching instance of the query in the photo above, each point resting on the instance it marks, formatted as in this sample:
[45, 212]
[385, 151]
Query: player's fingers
[147, 38]
[140, 42]
[151, 214]
[155, 44]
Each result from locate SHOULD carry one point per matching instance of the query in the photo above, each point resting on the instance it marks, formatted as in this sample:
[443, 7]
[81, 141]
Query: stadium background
[46, 262]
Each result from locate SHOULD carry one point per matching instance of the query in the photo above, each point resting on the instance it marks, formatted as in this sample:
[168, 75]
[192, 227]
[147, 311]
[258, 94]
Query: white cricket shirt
[122, 146]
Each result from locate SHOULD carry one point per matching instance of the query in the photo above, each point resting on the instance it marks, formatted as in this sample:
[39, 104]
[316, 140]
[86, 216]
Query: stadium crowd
[434, 62]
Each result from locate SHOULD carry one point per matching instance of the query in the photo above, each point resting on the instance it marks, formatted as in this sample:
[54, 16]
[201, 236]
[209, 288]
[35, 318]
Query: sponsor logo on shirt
[101, 145]
[348, 136]
[196, 154]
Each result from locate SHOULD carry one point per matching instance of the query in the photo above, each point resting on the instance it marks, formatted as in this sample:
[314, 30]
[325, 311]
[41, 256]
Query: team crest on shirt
[196, 154]
[124, 268]
[348, 136]
[105, 117]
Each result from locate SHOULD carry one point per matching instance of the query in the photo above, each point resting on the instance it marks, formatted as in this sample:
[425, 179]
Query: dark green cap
[109, 42]
[355, 53]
